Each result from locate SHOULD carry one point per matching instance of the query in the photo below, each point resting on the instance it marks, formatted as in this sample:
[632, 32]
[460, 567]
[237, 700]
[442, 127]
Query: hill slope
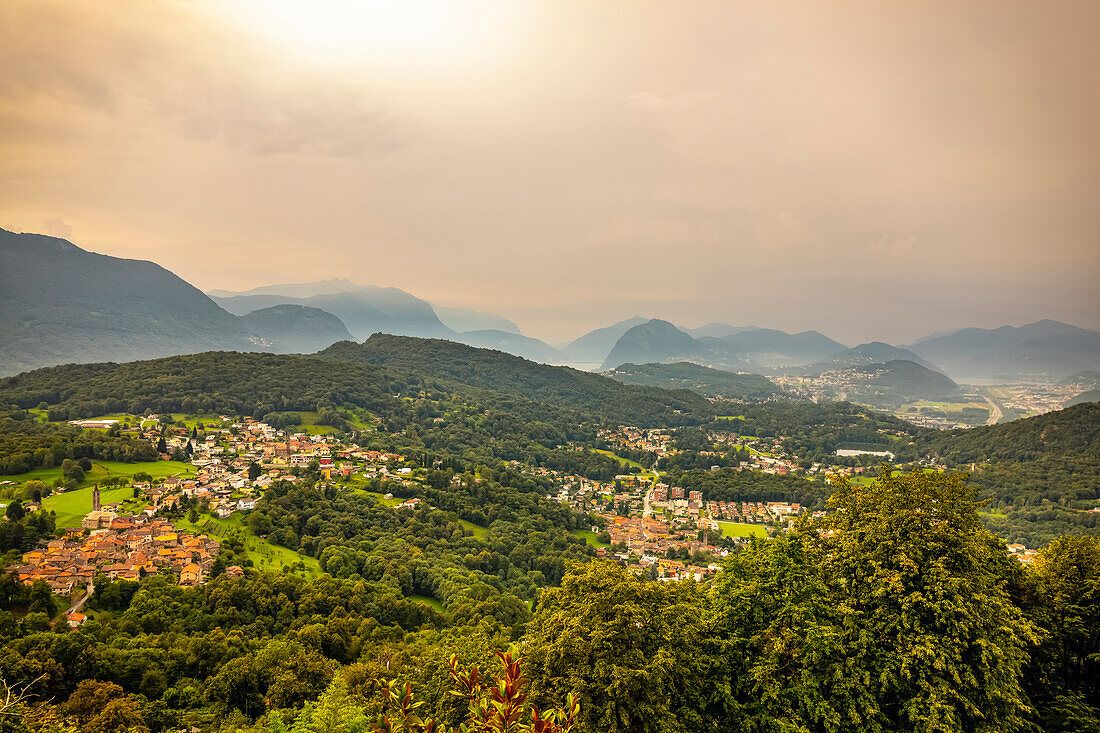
[296, 328]
[510, 375]
[898, 382]
[700, 379]
[60, 303]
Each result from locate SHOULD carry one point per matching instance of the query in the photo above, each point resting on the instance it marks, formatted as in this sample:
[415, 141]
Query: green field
[737, 529]
[380, 498]
[265, 555]
[590, 537]
[73, 505]
[479, 532]
[620, 459]
[729, 417]
[102, 470]
[433, 602]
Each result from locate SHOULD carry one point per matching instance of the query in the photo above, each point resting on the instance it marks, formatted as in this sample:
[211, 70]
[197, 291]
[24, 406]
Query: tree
[15, 511]
[1065, 669]
[892, 613]
[254, 471]
[627, 648]
[162, 445]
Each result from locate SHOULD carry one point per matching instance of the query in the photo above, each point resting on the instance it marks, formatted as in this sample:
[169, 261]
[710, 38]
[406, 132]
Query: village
[659, 530]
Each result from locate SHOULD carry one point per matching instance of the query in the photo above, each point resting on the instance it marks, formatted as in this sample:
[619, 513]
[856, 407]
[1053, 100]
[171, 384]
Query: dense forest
[955, 634]
[26, 444]
[511, 375]
[697, 378]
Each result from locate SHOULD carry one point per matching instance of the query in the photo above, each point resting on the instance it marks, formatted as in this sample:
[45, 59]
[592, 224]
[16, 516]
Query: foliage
[626, 647]
[893, 613]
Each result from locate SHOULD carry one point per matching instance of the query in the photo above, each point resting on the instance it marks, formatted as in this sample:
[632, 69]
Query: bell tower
[95, 498]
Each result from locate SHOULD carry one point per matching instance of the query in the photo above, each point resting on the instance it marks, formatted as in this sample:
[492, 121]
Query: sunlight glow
[338, 30]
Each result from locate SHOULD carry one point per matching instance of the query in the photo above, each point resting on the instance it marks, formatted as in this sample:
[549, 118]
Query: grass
[73, 505]
[730, 417]
[310, 426]
[479, 531]
[590, 537]
[433, 602]
[620, 459]
[737, 529]
[102, 470]
[380, 498]
[265, 555]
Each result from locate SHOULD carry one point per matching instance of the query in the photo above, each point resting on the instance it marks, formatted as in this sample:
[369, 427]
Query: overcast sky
[867, 169]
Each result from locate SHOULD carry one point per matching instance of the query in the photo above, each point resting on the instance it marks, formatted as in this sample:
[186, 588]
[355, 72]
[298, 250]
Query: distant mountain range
[296, 328]
[594, 346]
[1045, 348]
[60, 303]
[874, 352]
[657, 341]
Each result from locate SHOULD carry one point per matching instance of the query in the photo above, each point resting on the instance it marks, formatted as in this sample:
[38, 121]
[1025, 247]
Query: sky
[872, 170]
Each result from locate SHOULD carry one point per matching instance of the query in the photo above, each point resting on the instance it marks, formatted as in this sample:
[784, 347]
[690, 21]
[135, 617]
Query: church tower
[95, 498]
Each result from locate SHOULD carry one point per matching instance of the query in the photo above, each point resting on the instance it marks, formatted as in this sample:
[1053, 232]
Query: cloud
[57, 227]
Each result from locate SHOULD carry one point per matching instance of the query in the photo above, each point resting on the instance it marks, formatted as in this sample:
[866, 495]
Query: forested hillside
[697, 378]
[510, 375]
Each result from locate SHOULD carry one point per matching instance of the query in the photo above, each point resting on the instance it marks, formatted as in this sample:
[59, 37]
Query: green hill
[510, 375]
[697, 378]
[897, 382]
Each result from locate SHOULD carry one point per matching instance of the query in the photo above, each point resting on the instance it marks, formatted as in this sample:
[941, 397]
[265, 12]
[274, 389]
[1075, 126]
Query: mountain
[60, 303]
[594, 346]
[719, 330]
[292, 328]
[511, 343]
[896, 382]
[513, 376]
[874, 352]
[1048, 348]
[700, 379]
[652, 341]
[768, 347]
[297, 290]
[364, 311]
[467, 319]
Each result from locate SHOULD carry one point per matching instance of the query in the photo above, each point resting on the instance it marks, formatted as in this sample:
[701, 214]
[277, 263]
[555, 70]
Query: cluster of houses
[1022, 553]
[632, 438]
[128, 548]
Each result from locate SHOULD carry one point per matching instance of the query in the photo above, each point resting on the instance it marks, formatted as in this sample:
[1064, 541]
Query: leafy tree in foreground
[629, 649]
[891, 614]
[1065, 669]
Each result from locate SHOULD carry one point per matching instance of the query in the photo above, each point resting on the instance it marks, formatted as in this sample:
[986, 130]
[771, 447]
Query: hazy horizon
[871, 171]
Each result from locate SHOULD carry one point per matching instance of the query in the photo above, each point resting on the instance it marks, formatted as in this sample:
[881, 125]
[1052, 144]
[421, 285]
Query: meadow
[738, 529]
[102, 470]
[265, 555]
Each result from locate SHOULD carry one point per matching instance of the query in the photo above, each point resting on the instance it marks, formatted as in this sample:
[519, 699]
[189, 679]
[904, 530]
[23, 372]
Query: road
[80, 604]
[995, 412]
